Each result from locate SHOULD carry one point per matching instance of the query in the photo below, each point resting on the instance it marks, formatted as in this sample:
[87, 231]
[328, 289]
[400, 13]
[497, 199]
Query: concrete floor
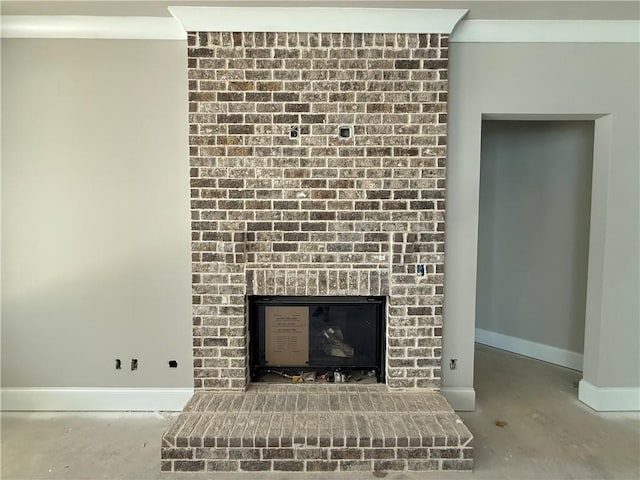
[548, 434]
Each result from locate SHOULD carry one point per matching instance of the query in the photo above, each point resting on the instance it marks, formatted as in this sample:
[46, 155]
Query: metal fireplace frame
[257, 363]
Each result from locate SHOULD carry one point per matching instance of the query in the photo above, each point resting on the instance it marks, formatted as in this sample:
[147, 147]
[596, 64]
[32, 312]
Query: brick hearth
[317, 428]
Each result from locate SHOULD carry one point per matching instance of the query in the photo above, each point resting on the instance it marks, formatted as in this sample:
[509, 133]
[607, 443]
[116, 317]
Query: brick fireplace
[312, 214]
[317, 169]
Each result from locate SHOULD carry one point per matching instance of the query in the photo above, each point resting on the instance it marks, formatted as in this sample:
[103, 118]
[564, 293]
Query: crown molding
[297, 19]
[547, 31]
[96, 27]
[317, 19]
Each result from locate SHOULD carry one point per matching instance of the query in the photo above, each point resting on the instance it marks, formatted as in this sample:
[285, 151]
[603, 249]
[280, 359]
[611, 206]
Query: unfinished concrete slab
[549, 435]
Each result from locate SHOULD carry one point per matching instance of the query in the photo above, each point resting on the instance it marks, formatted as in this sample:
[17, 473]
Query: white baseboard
[462, 399]
[546, 353]
[94, 399]
[609, 399]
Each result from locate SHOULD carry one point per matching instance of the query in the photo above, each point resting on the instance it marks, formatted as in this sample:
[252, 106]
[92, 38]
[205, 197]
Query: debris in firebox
[336, 375]
[501, 424]
[308, 377]
[282, 374]
[333, 344]
[360, 376]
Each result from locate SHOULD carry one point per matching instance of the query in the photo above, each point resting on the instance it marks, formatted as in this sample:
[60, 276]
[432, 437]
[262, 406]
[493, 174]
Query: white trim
[77, 26]
[540, 351]
[609, 399]
[95, 399]
[461, 398]
[543, 116]
[547, 31]
[317, 19]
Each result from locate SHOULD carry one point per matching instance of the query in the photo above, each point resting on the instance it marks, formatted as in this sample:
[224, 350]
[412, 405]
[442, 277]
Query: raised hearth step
[317, 428]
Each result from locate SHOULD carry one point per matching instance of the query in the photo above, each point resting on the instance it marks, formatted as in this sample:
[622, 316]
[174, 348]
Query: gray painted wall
[93, 255]
[533, 239]
[560, 81]
[95, 213]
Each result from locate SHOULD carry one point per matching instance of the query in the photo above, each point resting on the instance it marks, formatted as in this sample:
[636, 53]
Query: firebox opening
[316, 339]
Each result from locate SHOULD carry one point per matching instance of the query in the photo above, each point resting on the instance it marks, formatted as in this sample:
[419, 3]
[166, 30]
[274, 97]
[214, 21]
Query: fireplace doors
[324, 338]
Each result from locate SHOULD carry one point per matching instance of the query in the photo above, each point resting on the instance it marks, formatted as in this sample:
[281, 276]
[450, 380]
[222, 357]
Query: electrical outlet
[345, 132]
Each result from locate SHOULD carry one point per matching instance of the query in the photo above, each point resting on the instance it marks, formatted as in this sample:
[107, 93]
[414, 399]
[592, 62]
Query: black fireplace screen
[331, 337]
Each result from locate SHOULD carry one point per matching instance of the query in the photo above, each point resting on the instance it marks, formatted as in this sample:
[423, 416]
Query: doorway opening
[533, 238]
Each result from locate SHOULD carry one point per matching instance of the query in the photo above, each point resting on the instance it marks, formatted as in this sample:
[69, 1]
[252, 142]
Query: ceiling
[478, 9]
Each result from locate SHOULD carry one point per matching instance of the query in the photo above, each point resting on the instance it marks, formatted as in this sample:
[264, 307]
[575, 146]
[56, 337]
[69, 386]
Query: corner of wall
[609, 399]
[461, 398]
